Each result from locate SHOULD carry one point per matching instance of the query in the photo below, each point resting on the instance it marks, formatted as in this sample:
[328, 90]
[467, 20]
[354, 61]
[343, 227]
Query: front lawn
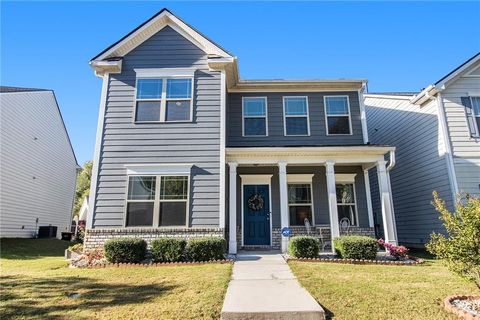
[381, 292]
[37, 283]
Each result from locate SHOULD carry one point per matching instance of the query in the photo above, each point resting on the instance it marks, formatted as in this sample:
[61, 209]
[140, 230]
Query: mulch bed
[412, 261]
[463, 306]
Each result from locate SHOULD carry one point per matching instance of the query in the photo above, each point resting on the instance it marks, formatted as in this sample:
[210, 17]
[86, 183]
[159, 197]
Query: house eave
[102, 67]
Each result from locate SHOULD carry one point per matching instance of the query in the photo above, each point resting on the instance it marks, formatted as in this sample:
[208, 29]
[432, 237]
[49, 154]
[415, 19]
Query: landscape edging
[417, 261]
[151, 264]
[449, 307]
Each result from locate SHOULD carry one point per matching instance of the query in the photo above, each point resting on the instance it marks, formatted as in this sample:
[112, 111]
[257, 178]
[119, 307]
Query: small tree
[460, 251]
[83, 186]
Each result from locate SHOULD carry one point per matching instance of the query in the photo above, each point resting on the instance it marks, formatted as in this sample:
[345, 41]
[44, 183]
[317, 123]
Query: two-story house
[185, 148]
[436, 132]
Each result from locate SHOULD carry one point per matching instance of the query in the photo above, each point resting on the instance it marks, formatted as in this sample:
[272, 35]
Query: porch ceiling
[364, 155]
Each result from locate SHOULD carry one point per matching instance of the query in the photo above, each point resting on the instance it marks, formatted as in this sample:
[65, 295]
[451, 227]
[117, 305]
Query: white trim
[98, 146]
[363, 116]
[159, 169]
[257, 179]
[164, 72]
[345, 177]
[448, 148]
[222, 180]
[332, 200]
[264, 116]
[283, 188]
[285, 116]
[368, 195]
[232, 208]
[341, 115]
[300, 178]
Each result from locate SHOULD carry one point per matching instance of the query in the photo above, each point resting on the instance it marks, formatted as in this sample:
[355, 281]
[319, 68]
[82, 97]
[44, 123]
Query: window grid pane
[299, 194]
[177, 110]
[149, 88]
[179, 88]
[172, 214]
[345, 193]
[141, 188]
[148, 111]
[476, 106]
[338, 125]
[295, 106]
[336, 105]
[139, 214]
[298, 214]
[254, 107]
[296, 126]
[255, 127]
[174, 188]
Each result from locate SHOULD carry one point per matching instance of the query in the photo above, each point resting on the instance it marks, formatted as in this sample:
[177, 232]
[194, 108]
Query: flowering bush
[395, 251]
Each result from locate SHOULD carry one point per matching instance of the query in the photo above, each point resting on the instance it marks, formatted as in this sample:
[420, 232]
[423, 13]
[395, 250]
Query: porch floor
[264, 287]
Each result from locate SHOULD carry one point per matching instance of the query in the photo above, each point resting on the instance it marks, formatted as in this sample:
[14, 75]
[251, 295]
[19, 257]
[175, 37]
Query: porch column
[282, 178]
[387, 208]
[366, 178]
[332, 200]
[232, 201]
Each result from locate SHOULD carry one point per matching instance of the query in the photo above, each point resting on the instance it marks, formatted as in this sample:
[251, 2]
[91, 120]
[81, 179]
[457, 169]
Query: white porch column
[232, 212]
[366, 178]
[332, 200]
[386, 203]
[282, 177]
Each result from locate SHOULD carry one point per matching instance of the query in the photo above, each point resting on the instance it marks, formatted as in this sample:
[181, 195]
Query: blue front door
[256, 215]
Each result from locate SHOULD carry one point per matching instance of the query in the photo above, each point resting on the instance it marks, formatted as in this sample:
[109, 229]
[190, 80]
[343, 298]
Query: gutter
[425, 95]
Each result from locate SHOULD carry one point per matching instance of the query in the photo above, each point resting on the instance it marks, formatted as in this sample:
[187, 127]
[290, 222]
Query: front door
[256, 215]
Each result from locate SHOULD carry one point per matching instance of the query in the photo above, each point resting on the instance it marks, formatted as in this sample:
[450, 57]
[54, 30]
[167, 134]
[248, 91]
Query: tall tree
[83, 186]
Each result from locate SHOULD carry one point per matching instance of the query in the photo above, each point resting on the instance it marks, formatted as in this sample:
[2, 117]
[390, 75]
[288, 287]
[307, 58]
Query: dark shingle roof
[18, 89]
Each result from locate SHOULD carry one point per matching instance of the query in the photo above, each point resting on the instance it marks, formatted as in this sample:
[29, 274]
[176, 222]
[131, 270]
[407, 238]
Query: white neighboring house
[437, 135]
[38, 168]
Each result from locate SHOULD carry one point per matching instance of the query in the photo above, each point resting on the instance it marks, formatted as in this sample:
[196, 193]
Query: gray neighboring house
[436, 133]
[187, 149]
[38, 168]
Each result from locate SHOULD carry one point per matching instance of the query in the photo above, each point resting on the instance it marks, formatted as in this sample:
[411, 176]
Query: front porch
[320, 191]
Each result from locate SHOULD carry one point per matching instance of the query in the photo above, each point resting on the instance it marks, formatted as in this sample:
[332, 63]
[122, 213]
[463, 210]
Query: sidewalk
[264, 287]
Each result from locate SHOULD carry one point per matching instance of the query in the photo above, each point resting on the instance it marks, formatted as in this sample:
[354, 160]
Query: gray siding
[319, 189]
[420, 164]
[38, 167]
[276, 136]
[125, 142]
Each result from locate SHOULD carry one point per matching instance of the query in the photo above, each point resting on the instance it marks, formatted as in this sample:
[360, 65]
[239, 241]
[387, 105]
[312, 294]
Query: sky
[397, 46]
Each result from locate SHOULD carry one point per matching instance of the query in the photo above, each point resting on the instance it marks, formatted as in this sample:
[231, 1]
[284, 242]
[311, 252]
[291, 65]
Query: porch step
[264, 287]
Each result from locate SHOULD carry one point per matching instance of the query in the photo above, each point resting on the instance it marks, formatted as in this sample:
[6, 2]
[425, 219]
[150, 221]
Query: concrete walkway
[264, 287]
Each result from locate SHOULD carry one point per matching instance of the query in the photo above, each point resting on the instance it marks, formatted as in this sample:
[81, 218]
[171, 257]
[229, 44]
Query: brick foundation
[95, 238]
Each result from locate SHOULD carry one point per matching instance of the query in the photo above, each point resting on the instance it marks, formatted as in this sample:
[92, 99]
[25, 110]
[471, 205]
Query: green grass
[36, 283]
[381, 292]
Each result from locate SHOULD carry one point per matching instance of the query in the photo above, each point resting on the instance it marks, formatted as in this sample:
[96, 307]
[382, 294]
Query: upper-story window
[295, 112]
[163, 100]
[476, 110]
[254, 113]
[337, 115]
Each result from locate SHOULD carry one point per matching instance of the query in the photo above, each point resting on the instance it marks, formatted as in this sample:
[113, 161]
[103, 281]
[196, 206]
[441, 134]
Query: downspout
[391, 165]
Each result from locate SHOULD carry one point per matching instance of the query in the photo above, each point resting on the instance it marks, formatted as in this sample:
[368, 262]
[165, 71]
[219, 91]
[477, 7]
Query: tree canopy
[83, 186]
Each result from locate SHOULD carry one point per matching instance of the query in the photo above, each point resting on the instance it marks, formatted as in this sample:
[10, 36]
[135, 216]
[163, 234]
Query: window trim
[349, 115]
[476, 118]
[301, 179]
[265, 116]
[163, 98]
[352, 182]
[295, 116]
[156, 201]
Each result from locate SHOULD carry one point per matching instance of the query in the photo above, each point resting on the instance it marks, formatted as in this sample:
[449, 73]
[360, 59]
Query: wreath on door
[255, 202]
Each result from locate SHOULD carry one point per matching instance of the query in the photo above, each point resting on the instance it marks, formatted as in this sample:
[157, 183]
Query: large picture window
[164, 100]
[300, 203]
[337, 113]
[157, 201]
[254, 114]
[295, 111]
[346, 203]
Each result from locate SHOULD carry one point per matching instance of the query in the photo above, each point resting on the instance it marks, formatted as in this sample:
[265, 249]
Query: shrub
[78, 247]
[125, 250]
[395, 251]
[356, 247]
[460, 250]
[303, 247]
[205, 249]
[168, 250]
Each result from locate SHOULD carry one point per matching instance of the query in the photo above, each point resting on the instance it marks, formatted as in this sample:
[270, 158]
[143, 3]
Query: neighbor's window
[337, 113]
[150, 204]
[300, 203]
[295, 110]
[476, 110]
[164, 100]
[346, 202]
[254, 111]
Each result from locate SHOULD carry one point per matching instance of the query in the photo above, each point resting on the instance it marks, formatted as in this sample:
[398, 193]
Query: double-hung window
[295, 112]
[254, 114]
[157, 201]
[337, 114]
[346, 204]
[300, 203]
[476, 110]
[166, 99]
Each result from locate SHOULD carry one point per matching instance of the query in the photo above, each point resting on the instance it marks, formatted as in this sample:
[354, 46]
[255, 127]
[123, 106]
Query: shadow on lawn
[50, 298]
[27, 249]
